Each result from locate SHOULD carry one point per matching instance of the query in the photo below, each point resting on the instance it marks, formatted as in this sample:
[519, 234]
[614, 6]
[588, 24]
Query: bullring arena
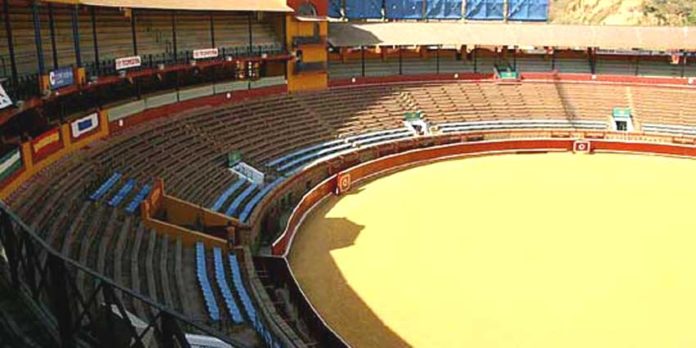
[366, 173]
[531, 250]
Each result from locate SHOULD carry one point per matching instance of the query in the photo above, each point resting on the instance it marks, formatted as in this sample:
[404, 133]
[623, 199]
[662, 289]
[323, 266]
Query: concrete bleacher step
[106, 244]
[135, 268]
[190, 284]
[79, 247]
[164, 272]
[149, 275]
[88, 246]
[178, 270]
[74, 227]
[119, 250]
[20, 324]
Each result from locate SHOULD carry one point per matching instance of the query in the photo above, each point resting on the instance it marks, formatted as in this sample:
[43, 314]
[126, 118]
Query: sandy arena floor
[526, 251]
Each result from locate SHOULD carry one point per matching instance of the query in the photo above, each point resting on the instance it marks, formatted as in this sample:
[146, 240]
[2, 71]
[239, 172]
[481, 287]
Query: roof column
[76, 36]
[174, 41]
[97, 63]
[133, 34]
[37, 37]
[52, 26]
[10, 45]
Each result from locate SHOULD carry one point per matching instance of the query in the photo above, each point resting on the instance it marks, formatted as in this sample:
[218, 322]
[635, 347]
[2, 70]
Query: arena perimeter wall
[384, 165]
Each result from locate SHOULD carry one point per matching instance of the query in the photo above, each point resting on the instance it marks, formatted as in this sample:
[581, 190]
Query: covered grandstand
[156, 155]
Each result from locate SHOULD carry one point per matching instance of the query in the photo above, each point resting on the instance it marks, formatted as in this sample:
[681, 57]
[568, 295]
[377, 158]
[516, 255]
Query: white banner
[9, 161]
[128, 62]
[206, 53]
[5, 100]
[84, 125]
[248, 172]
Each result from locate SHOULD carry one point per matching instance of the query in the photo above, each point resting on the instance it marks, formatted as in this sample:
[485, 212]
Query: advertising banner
[5, 100]
[206, 53]
[128, 62]
[61, 77]
[46, 144]
[9, 164]
[84, 125]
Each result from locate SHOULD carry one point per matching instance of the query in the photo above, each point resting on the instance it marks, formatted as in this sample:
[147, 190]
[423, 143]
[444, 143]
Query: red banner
[582, 146]
[343, 183]
[46, 144]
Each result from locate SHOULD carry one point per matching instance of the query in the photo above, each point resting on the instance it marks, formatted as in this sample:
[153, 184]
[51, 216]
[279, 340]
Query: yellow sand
[534, 251]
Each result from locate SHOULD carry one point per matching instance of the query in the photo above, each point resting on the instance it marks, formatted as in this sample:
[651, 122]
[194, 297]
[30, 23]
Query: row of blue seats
[304, 151]
[314, 155]
[382, 137]
[226, 195]
[237, 202]
[224, 288]
[249, 207]
[122, 193]
[105, 187]
[135, 202]
[248, 305]
[204, 283]
[458, 127]
[294, 160]
[241, 289]
[360, 138]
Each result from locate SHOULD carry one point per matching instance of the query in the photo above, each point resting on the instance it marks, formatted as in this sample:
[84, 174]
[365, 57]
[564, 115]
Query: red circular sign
[344, 182]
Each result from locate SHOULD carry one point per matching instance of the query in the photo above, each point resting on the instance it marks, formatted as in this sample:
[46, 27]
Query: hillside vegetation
[624, 12]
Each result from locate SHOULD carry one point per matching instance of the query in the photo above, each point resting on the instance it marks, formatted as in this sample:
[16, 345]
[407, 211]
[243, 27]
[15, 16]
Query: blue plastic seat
[135, 203]
[122, 193]
[105, 187]
[249, 207]
[241, 290]
[234, 311]
[239, 199]
[226, 195]
[201, 273]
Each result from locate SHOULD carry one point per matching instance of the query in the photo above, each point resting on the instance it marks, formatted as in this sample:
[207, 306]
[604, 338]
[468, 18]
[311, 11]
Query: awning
[311, 18]
[193, 5]
[521, 35]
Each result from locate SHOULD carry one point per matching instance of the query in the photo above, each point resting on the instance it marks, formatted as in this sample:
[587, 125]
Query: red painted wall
[321, 5]
[382, 165]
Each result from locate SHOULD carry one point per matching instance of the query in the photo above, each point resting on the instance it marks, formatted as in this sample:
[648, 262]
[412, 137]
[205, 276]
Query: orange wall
[180, 212]
[310, 53]
[69, 145]
[188, 238]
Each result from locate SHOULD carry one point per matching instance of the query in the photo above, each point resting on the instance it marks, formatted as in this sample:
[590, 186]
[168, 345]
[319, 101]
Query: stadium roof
[500, 34]
[193, 5]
